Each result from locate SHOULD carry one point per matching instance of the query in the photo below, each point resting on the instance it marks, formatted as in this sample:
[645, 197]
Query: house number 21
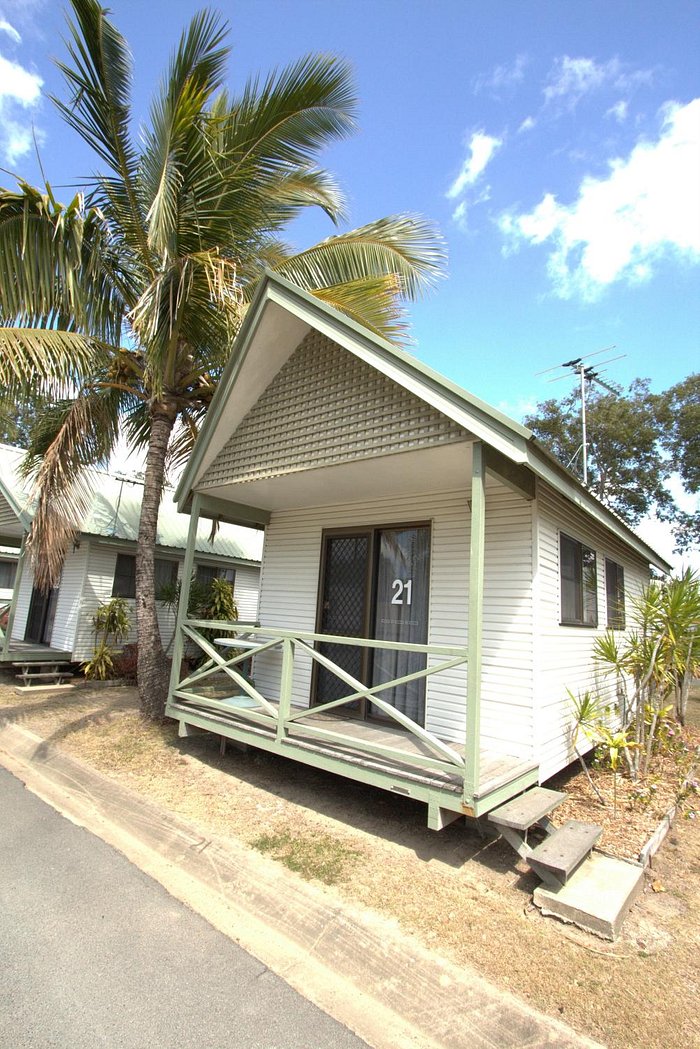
[402, 591]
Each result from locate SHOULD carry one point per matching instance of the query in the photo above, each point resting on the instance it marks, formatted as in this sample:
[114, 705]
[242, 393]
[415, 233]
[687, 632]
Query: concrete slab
[597, 897]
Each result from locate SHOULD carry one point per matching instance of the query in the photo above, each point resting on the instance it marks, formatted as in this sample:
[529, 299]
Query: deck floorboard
[495, 769]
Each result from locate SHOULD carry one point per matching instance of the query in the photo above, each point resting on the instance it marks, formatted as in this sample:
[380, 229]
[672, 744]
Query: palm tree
[119, 309]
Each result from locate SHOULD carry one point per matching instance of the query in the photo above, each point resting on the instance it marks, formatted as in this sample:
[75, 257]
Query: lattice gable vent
[326, 406]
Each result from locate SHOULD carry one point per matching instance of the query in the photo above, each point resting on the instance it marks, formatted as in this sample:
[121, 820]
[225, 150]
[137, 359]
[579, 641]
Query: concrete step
[562, 852]
[525, 811]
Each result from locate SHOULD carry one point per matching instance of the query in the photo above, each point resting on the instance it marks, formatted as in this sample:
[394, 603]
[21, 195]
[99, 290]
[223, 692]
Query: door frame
[363, 712]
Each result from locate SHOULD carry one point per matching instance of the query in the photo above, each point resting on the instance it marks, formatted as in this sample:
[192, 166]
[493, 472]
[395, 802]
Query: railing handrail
[282, 719]
[334, 639]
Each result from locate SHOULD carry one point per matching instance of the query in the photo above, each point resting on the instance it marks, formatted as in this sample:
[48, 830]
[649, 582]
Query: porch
[396, 754]
[30, 652]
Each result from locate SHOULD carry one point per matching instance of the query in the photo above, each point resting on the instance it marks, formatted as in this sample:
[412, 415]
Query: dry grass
[463, 895]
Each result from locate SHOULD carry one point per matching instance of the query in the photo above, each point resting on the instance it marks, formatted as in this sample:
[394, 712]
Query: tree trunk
[152, 661]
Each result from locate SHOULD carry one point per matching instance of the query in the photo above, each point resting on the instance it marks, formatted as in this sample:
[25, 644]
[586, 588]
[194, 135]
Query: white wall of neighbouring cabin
[68, 604]
[86, 582]
[289, 588]
[564, 654]
[98, 588]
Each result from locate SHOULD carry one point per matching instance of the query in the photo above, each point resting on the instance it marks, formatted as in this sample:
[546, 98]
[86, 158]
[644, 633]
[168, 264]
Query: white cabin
[433, 580]
[101, 565]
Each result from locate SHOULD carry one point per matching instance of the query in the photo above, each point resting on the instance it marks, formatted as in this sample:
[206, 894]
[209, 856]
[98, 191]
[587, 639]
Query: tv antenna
[587, 374]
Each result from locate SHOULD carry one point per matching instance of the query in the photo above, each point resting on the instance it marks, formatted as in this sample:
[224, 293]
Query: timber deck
[499, 775]
[33, 652]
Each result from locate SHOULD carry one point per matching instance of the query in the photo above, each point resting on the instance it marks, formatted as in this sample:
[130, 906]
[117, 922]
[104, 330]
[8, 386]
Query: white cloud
[481, 149]
[527, 125]
[619, 111]
[20, 94]
[5, 27]
[572, 78]
[621, 225]
[504, 76]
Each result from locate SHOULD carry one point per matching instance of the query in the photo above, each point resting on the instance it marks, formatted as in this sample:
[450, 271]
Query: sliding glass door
[375, 584]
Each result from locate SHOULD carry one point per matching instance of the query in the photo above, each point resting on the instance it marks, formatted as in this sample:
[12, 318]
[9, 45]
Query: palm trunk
[152, 661]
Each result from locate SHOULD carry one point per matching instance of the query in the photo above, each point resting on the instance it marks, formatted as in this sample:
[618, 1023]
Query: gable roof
[115, 509]
[280, 311]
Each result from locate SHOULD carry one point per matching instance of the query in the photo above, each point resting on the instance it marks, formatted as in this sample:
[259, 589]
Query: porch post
[187, 569]
[474, 640]
[13, 601]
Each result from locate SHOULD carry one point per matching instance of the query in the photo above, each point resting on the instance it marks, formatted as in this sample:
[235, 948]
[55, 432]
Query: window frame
[130, 576]
[581, 617]
[219, 571]
[615, 594]
[8, 565]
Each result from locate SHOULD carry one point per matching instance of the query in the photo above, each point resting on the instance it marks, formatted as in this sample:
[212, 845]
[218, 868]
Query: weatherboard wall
[564, 654]
[70, 595]
[289, 589]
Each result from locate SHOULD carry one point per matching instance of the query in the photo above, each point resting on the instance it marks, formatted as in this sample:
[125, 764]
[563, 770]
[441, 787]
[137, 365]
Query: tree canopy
[636, 441]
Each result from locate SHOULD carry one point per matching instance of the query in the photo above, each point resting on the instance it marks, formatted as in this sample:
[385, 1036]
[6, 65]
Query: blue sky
[556, 145]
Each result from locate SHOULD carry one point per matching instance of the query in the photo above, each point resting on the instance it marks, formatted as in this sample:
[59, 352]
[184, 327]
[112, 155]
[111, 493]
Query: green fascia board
[516, 441]
[547, 467]
[24, 518]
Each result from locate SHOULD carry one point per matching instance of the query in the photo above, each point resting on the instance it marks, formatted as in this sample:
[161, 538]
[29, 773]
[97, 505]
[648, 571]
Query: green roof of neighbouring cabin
[115, 509]
[486, 423]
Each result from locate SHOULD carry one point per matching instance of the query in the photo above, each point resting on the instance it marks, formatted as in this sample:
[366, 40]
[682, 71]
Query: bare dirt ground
[464, 895]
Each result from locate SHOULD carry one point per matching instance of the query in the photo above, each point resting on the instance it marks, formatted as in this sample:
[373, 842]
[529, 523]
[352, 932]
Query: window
[579, 583]
[125, 575]
[8, 570]
[615, 594]
[206, 573]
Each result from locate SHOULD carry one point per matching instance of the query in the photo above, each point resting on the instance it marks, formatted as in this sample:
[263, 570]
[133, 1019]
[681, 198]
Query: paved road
[93, 953]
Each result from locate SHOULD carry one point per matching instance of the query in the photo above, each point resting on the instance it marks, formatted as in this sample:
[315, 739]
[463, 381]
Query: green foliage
[654, 662]
[635, 442]
[111, 625]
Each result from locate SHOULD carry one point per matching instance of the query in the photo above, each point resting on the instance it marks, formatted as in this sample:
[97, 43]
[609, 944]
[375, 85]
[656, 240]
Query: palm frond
[373, 303]
[406, 247]
[175, 140]
[48, 360]
[68, 438]
[99, 80]
[294, 113]
[57, 264]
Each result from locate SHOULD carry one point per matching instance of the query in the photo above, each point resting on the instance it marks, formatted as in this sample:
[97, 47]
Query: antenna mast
[587, 374]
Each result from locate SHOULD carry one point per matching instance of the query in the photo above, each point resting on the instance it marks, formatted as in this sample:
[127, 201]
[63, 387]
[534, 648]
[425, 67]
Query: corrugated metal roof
[116, 506]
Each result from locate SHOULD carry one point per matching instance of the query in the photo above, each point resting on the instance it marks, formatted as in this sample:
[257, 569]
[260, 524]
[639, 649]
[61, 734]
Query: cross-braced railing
[286, 721]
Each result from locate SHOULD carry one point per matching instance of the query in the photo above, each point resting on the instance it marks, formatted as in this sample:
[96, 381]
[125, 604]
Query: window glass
[615, 594]
[206, 573]
[124, 576]
[8, 570]
[579, 583]
[165, 573]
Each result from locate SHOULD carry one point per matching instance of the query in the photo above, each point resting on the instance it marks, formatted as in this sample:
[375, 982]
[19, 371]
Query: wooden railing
[281, 718]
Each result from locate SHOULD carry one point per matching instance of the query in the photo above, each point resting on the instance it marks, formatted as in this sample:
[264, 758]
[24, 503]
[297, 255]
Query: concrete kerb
[666, 822]
[357, 966]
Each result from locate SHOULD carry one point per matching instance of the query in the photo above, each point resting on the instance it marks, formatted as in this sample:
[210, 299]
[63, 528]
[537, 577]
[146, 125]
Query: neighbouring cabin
[432, 579]
[102, 564]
